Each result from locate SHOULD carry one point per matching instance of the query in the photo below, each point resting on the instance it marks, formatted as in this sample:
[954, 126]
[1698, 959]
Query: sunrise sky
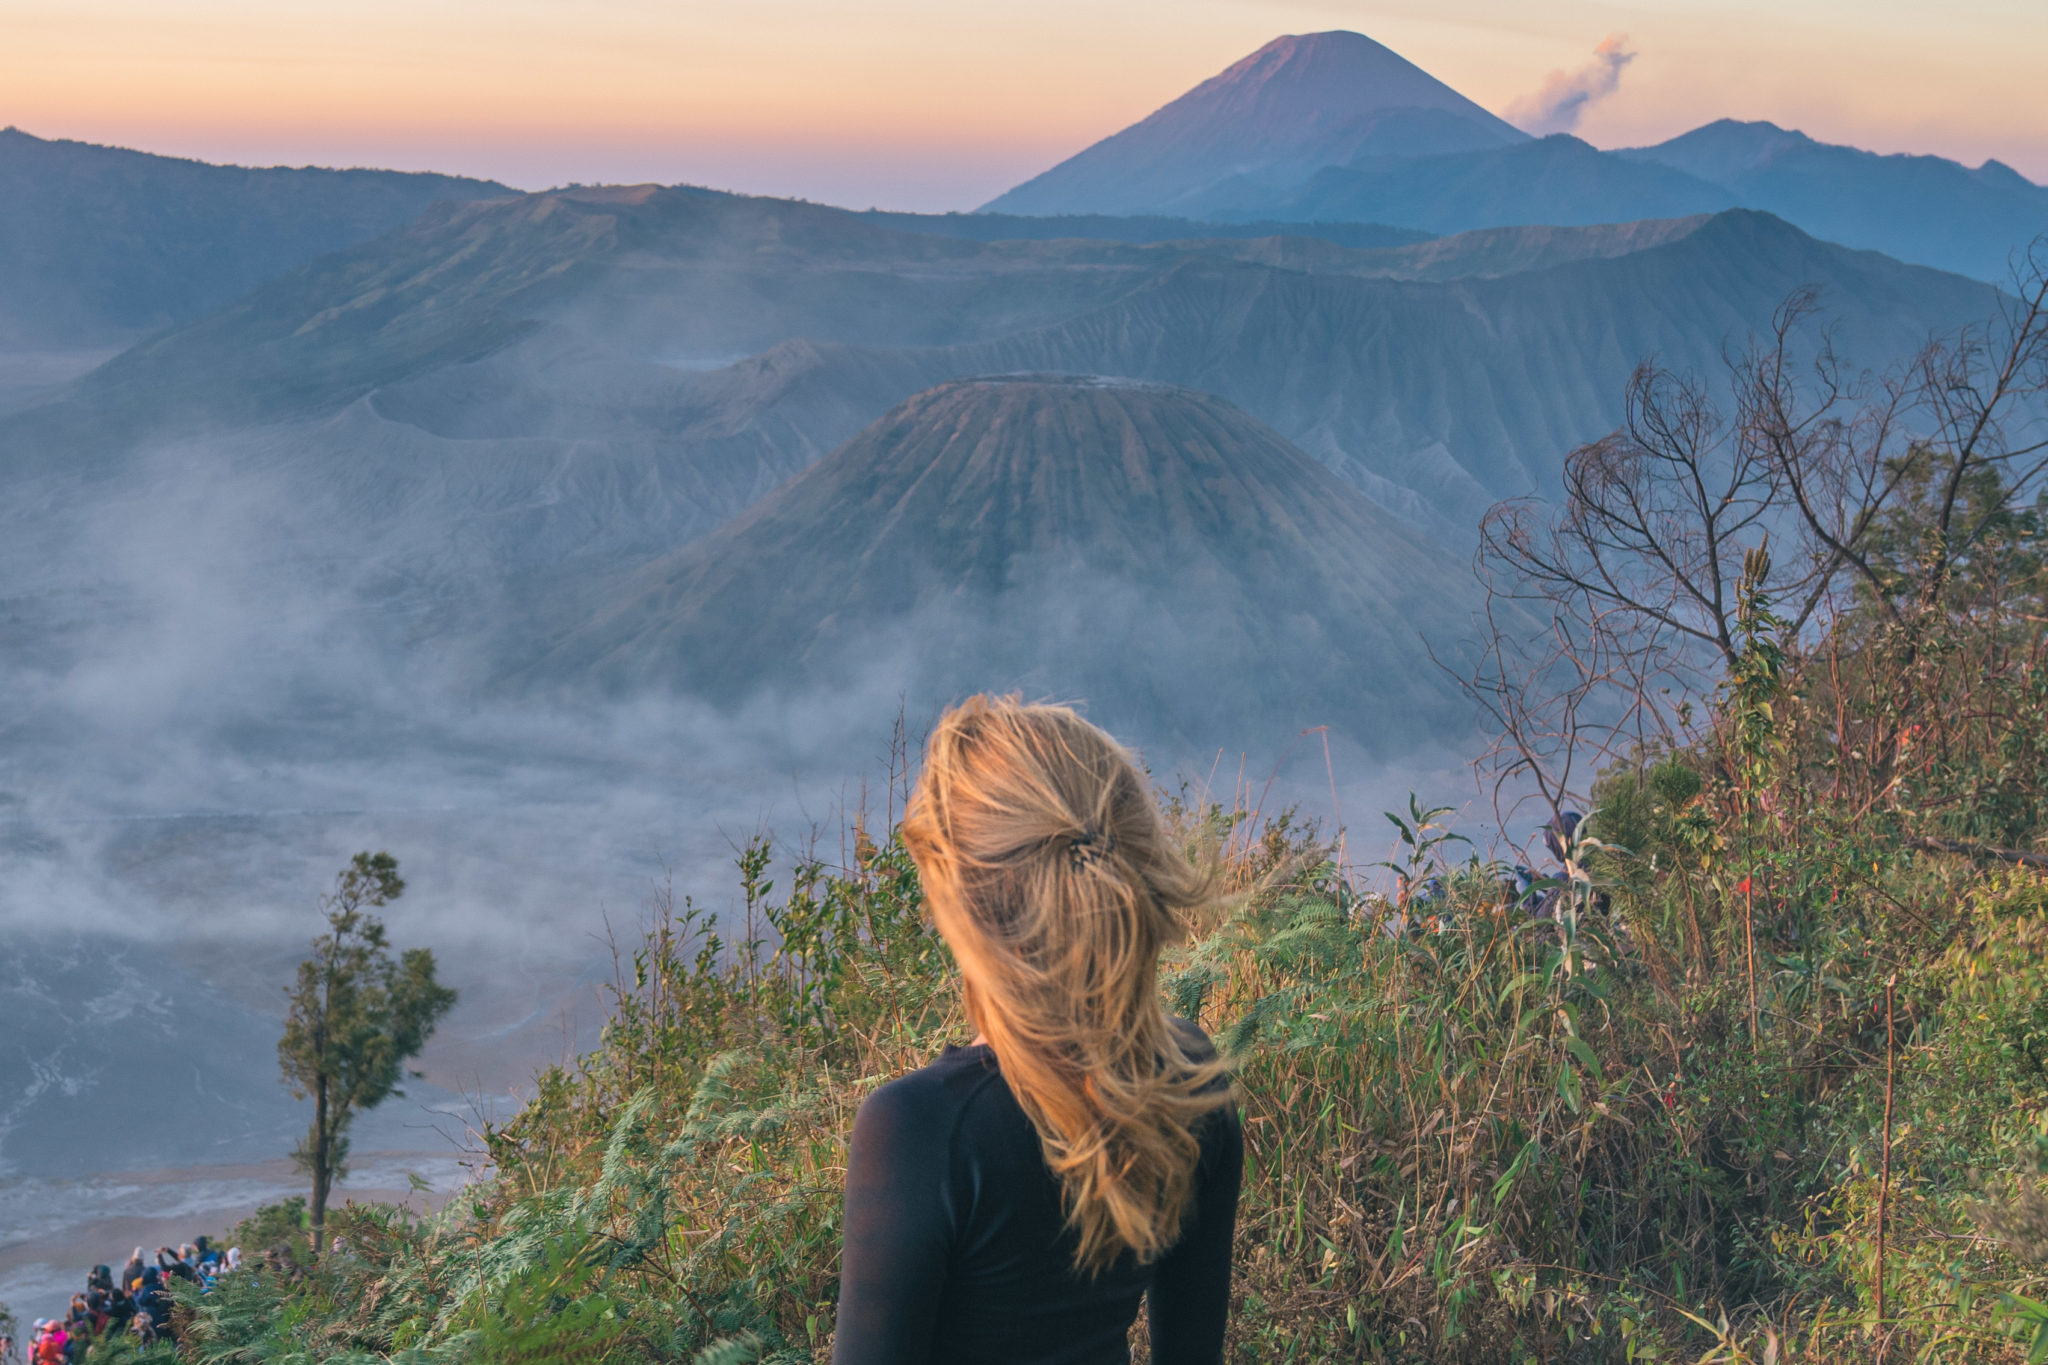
[940, 104]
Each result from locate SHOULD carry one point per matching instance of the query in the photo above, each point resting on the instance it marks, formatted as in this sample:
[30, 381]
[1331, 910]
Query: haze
[898, 103]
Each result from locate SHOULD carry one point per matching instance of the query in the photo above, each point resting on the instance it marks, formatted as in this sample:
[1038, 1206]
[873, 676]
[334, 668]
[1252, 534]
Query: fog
[228, 671]
[229, 663]
[219, 688]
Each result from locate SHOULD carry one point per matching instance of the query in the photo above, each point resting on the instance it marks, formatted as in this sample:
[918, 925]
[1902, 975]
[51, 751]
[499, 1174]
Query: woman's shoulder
[925, 1099]
[1197, 1043]
[1220, 1126]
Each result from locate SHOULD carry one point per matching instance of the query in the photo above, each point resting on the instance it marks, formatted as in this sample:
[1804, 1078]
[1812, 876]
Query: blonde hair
[1054, 881]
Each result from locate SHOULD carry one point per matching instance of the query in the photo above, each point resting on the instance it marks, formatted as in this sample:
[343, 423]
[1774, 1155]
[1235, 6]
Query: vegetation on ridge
[1492, 1138]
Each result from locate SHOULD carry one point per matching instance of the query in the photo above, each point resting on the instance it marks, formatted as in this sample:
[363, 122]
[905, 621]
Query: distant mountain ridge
[101, 244]
[1261, 142]
[1917, 208]
[1298, 103]
[510, 404]
[1553, 181]
[716, 345]
[1141, 230]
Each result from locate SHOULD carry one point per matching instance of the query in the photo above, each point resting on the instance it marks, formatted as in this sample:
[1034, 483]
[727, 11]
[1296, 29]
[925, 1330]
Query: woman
[1014, 1200]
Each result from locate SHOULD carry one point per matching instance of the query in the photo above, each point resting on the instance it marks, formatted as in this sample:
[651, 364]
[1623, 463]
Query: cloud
[1558, 105]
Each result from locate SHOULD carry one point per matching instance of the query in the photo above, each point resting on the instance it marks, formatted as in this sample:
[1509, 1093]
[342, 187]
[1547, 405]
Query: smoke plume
[1556, 107]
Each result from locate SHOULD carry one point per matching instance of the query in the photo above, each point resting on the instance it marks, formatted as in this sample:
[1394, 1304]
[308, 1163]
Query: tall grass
[1481, 1137]
[1771, 1084]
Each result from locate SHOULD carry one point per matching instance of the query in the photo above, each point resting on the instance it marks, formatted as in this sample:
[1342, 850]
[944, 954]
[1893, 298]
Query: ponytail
[1051, 876]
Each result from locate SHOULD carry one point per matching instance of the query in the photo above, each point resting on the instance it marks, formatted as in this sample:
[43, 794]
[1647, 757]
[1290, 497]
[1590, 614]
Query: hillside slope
[99, 244]
[436, 434]
[1147, 548]
[701, 348]
[610, 373]
[1436, 397]
[680, 278]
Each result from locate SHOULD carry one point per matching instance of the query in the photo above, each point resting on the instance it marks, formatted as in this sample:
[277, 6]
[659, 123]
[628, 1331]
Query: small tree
[356, 1018]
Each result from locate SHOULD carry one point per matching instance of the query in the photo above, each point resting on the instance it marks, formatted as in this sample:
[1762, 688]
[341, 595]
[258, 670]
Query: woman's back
[957, 1244]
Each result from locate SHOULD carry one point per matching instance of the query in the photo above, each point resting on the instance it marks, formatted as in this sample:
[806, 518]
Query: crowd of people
[137, 1301]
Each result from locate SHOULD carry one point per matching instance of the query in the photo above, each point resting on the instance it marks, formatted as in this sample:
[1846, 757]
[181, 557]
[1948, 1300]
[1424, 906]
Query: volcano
[1148, 549]
[1297, 104]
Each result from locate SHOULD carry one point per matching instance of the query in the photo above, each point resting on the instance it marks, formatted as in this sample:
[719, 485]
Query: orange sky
[942, 103]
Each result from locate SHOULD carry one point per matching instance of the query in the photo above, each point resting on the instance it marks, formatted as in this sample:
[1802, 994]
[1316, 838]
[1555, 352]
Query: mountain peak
[1339, 71]
[1300, 83]
[1301, 102]
[1998, 172]
[1726, 146]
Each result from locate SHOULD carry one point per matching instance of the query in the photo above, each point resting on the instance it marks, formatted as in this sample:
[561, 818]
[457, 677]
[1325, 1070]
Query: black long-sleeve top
[957, 1250]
